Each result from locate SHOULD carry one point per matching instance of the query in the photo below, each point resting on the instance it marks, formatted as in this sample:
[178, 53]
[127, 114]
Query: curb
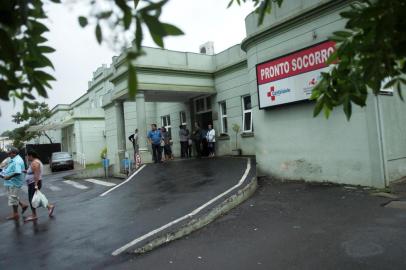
[198, 223]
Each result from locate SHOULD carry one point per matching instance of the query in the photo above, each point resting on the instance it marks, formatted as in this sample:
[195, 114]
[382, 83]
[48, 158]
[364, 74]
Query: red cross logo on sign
[313, 82]
[270, 93]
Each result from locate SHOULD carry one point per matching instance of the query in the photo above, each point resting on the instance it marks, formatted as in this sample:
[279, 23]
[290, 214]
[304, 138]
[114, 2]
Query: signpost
[106, 163]
[292, 77]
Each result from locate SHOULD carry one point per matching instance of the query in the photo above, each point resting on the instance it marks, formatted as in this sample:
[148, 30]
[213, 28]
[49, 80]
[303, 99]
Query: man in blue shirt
[155, 138]
[13, 181]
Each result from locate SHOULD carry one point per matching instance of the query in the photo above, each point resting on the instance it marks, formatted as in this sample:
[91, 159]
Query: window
[246, 114]
[100, 101]
[223, 116]
[182, 117]
[203, 104]
[200, 105]
[208, 103]
[166, 122]
[92, 104]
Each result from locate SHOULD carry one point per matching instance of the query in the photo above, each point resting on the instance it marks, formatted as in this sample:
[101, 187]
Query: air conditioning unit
[207, 48]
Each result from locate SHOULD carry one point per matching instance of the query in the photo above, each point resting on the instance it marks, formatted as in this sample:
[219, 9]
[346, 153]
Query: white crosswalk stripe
[99, 182]
[56, 188]
[75, 184]
[53, 188]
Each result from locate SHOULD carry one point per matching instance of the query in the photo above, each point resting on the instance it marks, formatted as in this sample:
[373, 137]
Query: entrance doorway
[203, 111]
[204, 117]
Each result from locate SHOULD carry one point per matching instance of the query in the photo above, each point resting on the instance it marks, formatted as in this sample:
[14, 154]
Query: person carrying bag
[33, 179]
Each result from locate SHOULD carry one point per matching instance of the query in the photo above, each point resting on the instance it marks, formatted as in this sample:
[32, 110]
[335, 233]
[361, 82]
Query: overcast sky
[78, 54]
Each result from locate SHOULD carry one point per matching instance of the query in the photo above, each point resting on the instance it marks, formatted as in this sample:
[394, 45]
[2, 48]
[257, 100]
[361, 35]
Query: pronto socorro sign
[292, 77]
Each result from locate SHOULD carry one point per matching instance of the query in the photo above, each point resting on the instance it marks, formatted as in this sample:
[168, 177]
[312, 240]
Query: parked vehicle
[61, 160]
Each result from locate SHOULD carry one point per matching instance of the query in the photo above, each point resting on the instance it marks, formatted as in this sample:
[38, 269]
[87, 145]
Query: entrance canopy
[50, 126]
[169, 96]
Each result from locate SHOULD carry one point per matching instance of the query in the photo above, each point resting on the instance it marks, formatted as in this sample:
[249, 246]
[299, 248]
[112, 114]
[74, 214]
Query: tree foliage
[39, 112]
[371, 56]
[24, 66]
[23, 60]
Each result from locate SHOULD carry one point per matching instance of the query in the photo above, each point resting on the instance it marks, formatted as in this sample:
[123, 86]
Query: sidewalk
[293, 226]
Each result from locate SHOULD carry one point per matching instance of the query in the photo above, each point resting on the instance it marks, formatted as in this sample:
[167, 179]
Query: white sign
[291, 78]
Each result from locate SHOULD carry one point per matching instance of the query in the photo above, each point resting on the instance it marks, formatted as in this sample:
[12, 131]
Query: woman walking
[33, 179]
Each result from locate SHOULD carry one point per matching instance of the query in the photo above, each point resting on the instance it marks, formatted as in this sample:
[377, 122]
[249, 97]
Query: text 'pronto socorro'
[302, 61]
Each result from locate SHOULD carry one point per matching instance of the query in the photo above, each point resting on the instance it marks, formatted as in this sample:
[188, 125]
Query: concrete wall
[111, 133]
[130, 118]
[393, 124]
[231, 85]
[288, 10]
[92, 138]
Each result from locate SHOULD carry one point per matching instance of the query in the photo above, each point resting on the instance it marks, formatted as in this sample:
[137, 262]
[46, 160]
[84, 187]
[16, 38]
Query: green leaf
[332, 58]
[347, 109]
[138, 33]
[36, 27]
[390, 83]
[360, 101]
[104, 15]
[153, 6]
[399, 88]
[172, 30]
[155, 28]
[318, 107]
[127, 19]
[158, 40]
[264, 8]
[4, 91]
[327, 111]
[343, 34]
[99, 36]
[7, 48]
[132, 81]
[44, 61]
[122, 5]
[29, 96]
[46, 49]
[82, 21]
[348, 14]
[43, 76]
[40, 88]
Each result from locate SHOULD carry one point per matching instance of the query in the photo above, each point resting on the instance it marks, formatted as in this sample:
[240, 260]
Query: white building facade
[177, 88]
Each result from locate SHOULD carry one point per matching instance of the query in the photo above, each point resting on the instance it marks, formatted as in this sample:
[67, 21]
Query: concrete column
[120, 122]
[142, 127]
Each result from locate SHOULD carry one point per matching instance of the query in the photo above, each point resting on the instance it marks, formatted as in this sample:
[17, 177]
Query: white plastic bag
[39, 200]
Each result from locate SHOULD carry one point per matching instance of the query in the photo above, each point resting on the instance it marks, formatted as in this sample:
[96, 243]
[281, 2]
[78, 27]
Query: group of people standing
[13, 172]
[160, 140]
[204, 141]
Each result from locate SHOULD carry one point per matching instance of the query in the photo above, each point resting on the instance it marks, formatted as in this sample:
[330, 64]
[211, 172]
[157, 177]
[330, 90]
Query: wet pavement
[87, 228]
[292, 226]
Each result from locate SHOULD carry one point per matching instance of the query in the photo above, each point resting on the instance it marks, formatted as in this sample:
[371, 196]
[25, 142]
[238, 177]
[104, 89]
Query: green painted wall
[290, 143]
[393, 121]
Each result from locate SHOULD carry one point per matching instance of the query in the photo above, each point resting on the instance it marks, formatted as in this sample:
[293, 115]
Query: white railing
[81, 159]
